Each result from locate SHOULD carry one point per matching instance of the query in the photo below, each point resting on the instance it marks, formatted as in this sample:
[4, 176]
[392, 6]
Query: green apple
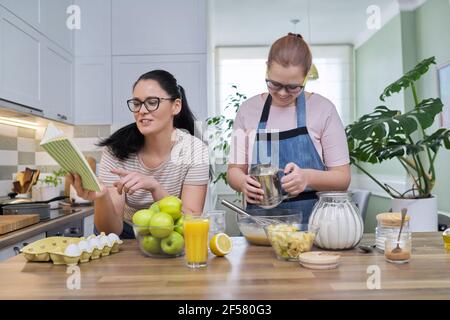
[173, 244]
[142, 218]
[151, 244]
[179, 225]
[155, 207]
[171, 205]
[161, 224]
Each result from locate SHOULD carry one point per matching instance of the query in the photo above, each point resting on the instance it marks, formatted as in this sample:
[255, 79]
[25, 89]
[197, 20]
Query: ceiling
[260, 22]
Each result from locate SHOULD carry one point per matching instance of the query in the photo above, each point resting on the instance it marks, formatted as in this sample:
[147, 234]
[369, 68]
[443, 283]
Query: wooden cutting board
[9, 223]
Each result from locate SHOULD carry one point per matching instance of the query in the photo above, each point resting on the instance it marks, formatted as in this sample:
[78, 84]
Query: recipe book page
[66, 153]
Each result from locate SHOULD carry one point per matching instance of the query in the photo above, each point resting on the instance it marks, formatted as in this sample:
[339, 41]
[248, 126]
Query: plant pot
[423, 213]
[49, 192]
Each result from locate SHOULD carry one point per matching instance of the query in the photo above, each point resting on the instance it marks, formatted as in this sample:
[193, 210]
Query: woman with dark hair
[154, 157]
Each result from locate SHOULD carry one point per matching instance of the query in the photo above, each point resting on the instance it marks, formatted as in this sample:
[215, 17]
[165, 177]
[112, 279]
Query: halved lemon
[220, 244]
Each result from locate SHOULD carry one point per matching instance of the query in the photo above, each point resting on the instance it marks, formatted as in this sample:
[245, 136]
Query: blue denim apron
[280, 148]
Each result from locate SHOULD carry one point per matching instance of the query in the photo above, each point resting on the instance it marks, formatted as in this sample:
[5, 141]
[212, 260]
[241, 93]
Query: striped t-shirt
[188, 164]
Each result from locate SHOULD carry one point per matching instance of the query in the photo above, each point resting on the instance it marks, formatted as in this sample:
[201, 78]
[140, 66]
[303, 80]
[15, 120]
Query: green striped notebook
[68, 156]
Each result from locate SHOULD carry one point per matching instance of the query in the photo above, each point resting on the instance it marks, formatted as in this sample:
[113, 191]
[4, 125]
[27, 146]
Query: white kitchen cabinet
[19, 61]
[34, 71]
[189, 70]
[53, 22]
[94, 36]
[88, 225]
[46, 16]
[57, 83]
[93, 97]
[11, 251]
[28, 10]
[158, 27]
[93, 94]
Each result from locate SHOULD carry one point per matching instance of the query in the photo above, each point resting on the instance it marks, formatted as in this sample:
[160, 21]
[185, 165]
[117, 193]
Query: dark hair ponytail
[129, 139]
[185, 119]
[124, 141]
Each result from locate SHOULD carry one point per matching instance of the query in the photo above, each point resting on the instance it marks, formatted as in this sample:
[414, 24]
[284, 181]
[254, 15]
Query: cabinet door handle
[16, 250]
[61, 116]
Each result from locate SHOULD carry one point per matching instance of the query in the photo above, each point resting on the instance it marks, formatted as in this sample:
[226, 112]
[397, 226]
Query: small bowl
[254, 232]
[290, 240]
[156, 242]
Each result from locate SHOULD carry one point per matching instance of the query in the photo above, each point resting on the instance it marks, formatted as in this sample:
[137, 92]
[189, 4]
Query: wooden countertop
[249, 272]
[28, 232]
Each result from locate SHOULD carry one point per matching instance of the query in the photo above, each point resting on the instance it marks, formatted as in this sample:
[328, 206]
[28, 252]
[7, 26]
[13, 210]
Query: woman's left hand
[295, 180]
[130, 181]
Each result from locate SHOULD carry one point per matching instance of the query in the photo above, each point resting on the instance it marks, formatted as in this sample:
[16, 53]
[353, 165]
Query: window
[245, 67]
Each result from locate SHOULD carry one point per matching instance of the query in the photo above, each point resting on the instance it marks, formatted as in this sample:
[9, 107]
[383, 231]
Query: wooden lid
[319, 258]
[391, 219]
[319, 266]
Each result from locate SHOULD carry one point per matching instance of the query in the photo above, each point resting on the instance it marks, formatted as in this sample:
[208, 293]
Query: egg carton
[71, 251]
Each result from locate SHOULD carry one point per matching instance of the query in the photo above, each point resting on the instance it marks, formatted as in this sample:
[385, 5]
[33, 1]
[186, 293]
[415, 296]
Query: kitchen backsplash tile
[19, 148]
[26, 133]
[9, 158]
[6, 173]
[37, 146]
[87, 144]
[26, 144]
[91, 131]
[47, 169]
[97, 155]
[8, 143]
[44, 159]
[8, 131]
[27, 158]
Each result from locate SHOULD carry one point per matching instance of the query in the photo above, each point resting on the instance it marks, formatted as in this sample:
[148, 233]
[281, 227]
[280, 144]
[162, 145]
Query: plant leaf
[409, 77]
[437, 139]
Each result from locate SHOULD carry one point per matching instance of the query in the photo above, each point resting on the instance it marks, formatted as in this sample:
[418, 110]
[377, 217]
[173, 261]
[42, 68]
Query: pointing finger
[120, 172]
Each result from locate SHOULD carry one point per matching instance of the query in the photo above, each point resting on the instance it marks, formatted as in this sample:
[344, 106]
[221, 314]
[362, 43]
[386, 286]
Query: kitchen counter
[248, 272]
[28, 232]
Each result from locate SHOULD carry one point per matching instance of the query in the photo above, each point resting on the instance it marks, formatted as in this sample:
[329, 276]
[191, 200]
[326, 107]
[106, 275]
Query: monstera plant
[388, 134]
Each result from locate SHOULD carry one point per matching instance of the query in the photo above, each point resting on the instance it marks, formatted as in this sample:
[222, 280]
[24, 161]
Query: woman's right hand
[251, 190]
[75, 180]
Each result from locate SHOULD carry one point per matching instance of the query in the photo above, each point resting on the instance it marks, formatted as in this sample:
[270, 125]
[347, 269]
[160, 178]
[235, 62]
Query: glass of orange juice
[196, 230]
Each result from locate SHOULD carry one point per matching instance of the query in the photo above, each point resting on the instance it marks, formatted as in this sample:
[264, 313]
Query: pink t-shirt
[322, 120]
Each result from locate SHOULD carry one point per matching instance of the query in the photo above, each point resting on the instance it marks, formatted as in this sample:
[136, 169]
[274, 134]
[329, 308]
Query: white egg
[113, 238]
[85, 246]
[105, 242]
[95, 244]
[72, 250]
[92, 236]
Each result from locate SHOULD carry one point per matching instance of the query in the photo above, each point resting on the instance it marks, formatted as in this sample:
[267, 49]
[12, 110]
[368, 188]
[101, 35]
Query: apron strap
[266, 110]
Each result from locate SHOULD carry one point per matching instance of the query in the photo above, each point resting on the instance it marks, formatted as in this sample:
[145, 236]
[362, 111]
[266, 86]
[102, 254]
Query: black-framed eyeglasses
[291, 88]
[150, 103]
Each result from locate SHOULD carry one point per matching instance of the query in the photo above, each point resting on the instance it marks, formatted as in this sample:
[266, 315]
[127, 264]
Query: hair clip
[295, 35]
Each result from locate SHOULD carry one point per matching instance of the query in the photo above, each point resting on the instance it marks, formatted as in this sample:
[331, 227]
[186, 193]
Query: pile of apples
[159, 229]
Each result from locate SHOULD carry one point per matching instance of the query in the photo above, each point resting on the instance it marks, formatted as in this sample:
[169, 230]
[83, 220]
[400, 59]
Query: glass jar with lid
[388, 225]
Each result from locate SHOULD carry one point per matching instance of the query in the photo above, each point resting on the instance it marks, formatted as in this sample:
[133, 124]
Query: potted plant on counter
[49, 187]
[388, 134]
